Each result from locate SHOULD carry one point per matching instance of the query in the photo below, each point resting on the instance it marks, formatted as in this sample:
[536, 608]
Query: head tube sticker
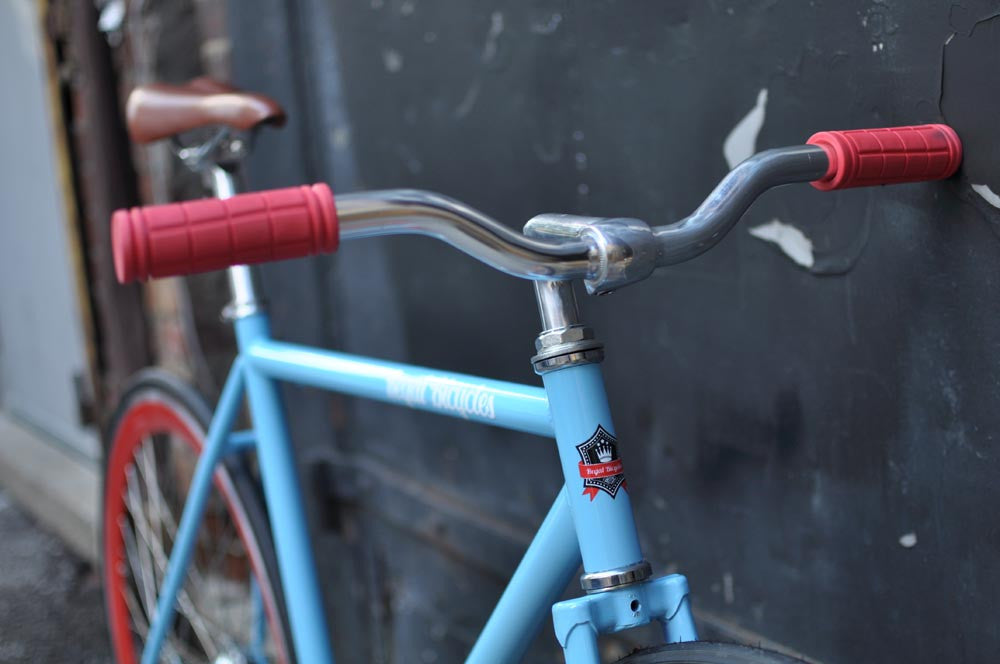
[600, 466]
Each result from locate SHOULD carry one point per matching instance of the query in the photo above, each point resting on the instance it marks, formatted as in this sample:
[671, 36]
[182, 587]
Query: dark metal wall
[813, 445]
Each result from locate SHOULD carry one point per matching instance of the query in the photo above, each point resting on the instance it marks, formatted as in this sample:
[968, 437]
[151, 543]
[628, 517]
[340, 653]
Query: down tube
[543, 574]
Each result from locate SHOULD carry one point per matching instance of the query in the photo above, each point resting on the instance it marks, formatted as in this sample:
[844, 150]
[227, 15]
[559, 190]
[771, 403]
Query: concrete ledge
[57, 488]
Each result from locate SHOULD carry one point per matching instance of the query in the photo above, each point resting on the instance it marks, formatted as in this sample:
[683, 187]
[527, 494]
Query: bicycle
[164, 577]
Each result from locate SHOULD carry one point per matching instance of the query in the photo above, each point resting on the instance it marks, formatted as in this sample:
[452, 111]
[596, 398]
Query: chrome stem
[556, 304]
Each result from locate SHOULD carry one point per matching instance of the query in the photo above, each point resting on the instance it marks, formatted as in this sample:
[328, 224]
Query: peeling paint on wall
[496, 29]
[469, 100]
[741, 142]
[988, 194]
[970, 95]
[641, 92]
[547, 27]
[789, 239]
[392, 60]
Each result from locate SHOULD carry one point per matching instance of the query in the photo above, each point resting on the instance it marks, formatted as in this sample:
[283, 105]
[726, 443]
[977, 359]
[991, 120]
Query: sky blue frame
[598, 531]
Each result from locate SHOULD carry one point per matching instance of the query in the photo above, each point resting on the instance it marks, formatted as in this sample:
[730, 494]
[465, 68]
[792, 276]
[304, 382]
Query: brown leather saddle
[159, 110]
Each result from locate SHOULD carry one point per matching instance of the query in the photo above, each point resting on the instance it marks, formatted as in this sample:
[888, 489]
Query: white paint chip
[988, 195]
[112, 16]
[547, 27]
[908, 541]
[392, 59]
[741, 142]
[496, 29]
[340, 137]
[468, 101]
[789, 239]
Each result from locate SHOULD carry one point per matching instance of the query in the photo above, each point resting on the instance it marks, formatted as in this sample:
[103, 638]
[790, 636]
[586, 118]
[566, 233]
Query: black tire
[236, 490]
[704, 652]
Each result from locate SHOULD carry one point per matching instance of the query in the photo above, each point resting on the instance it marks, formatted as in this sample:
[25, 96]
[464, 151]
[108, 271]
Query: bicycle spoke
[221, 552]
[199, 623]
[138, 610]
[151, 481]
[154, 547]
[235, 608]
[138, 625]
[172, 648]
[137, 555]
[137, 507]
[212, 615]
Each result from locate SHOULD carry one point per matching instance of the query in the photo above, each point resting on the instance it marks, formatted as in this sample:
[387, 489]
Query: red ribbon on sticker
[593, 471]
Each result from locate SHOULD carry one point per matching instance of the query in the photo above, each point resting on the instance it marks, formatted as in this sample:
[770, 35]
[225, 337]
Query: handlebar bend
[195, 236]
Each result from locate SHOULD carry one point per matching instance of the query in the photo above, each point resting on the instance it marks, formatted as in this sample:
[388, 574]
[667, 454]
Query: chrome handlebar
[414, 212]
[606, 253]
[733, 196]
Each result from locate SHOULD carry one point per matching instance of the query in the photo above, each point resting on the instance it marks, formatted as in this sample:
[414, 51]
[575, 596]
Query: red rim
[144, 417]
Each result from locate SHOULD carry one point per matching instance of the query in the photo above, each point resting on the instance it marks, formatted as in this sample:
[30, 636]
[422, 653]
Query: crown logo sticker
[600, 467]
[605, 452]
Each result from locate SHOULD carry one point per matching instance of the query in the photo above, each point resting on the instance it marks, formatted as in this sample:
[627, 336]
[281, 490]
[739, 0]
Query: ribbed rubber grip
[211, 234]
[866, 157]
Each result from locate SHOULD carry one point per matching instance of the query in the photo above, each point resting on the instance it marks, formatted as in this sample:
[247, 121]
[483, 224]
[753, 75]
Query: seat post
[242, 286]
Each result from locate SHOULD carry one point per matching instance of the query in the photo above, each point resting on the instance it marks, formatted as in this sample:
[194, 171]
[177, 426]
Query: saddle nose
[161, 110]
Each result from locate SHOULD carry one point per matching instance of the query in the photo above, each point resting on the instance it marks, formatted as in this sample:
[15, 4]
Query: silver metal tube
[241, 285]
[606, 253]
[556, 304]
[241, 280]
[223, 182]
[732, 197]
[412, 212]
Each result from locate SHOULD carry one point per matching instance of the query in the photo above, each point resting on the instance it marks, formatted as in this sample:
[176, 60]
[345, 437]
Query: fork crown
[578, 621]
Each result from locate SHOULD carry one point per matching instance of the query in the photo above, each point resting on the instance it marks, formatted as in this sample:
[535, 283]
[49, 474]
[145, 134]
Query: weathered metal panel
[808, 427]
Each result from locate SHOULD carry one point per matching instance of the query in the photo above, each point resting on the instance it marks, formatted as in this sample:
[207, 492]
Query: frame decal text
[442, 394]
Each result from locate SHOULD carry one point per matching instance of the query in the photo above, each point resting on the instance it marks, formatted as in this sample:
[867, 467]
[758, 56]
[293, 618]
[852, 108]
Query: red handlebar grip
[211, 234]
[866, 157]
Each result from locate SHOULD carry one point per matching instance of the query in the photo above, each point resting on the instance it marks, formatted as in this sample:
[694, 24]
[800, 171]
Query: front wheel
[230, 607]
[703, 652]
